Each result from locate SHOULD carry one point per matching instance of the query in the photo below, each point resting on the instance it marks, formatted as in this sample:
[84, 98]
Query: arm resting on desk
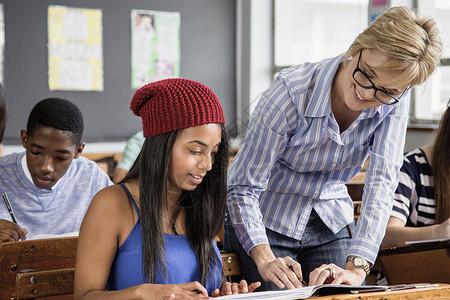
[397, 233]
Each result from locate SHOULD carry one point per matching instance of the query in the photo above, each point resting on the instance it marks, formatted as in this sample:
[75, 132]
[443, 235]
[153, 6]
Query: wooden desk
[425, 262]
[231, 265]
[37, 268]
[440, 292]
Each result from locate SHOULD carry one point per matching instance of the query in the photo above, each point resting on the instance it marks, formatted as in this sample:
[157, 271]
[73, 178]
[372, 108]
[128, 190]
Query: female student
[310, 133]
[151, 236]
[421, 208]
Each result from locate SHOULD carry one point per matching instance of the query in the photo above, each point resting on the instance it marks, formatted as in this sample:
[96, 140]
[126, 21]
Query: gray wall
[208, 30]
[417, 138]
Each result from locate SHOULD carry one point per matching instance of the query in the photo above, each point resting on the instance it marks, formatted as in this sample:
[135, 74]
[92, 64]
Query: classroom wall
[208, 30]
[418, 138]
[208, 54]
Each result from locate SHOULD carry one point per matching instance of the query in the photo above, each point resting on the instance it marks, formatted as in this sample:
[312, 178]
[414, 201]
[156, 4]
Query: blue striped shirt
[294, 159]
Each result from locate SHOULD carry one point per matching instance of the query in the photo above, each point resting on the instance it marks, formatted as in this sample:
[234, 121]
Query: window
[430, 99]
[311, 30]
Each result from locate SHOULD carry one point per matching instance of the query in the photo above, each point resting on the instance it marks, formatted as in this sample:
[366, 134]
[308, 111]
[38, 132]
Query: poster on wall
[155, 46]
[75, 51]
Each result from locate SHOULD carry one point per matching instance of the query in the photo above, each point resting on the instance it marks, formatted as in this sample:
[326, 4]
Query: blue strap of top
[131, 197]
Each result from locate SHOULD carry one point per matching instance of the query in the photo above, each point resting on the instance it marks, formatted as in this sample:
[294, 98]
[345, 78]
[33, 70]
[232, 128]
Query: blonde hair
[411, 43]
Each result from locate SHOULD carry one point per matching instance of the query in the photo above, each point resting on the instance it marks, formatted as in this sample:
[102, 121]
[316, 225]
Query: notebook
[306, 292]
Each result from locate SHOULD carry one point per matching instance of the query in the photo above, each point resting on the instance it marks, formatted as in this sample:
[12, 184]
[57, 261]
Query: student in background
[310, 133]
[2, 117]
[130, 153]
[421, 208]
[152, 235]
[49, 185]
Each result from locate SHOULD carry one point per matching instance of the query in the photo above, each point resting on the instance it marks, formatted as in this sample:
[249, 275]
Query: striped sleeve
[381, 181]
[250, 170]
[405, 192]
[414, 201]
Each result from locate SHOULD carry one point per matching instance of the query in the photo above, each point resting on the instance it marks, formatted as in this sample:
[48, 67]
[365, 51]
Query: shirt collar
[320, 103]
[28, 174]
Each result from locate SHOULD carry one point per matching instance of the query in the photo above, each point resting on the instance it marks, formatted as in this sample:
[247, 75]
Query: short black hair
[59, 114]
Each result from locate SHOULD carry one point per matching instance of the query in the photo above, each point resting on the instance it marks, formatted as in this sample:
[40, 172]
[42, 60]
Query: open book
[306, 292]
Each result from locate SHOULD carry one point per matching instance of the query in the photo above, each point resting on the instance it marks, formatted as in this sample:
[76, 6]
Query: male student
[49, 186]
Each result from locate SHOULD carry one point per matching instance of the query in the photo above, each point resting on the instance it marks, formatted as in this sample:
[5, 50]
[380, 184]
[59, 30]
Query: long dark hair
[204, 207]
[441, 168]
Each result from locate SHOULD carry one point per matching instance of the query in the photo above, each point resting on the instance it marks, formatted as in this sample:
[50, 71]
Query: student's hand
[229, 288]
[190, 290]
[332, 274]
[10, 231]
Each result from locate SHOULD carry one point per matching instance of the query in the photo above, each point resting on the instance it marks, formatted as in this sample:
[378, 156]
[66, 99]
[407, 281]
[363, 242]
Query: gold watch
[359, 262]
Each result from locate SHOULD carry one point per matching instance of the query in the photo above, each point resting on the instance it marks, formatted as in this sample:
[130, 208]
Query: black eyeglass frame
[357, 69]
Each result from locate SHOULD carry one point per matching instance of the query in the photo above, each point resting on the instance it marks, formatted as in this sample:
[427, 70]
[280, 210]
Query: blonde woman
[310, 133]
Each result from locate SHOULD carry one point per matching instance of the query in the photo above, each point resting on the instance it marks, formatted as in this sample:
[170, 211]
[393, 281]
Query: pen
[303, 281]
[10, 210]
[9, 207]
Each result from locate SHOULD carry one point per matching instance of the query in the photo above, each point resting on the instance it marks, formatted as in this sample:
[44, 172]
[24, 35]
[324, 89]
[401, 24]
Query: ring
[331, 272]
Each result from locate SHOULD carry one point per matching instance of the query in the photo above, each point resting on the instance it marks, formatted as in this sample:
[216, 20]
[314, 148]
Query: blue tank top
[181, 262]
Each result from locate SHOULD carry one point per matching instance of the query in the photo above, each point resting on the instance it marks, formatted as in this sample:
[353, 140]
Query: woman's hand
[284, 272]
[190, 290]
[229, 288]
[332, 274]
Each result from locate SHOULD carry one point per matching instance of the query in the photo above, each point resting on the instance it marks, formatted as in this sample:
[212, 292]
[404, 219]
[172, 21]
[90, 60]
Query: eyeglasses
[363, 80]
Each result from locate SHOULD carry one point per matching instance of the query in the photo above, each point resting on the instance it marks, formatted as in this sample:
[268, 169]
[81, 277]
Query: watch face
[359, 261]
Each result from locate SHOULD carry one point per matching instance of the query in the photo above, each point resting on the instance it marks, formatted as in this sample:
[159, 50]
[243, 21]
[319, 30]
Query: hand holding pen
[10, 231]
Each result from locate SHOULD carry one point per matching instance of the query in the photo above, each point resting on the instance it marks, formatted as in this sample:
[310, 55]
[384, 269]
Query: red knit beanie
[176, 103]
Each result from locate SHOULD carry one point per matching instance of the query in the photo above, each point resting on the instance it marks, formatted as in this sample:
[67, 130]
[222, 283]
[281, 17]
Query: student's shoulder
[106, 213]
[415, 156]
[112, 198]
[11, 158]
[85, 169]
[81, 160]
[83, 164]
[9, 163]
